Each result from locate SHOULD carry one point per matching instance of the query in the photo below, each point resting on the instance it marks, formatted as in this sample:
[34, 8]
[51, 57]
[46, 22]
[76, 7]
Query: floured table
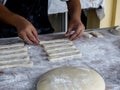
[100, 54]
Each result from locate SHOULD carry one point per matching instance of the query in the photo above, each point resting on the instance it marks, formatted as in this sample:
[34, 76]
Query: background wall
[112, 16]
[112, 11]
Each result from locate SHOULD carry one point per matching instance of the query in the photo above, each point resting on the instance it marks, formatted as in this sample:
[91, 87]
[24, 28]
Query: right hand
[27, 31]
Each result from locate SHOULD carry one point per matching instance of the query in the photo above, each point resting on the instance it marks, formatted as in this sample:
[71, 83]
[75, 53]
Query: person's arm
[75, 24]
[25, 29]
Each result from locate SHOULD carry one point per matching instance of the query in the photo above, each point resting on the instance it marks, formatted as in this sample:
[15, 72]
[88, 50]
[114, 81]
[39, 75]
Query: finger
[27, 40]
[32, 37]
[79, 35]
[69, 31]
[36, 35]
[75, 34]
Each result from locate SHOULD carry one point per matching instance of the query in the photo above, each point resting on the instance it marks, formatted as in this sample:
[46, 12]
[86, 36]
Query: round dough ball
[71, 78]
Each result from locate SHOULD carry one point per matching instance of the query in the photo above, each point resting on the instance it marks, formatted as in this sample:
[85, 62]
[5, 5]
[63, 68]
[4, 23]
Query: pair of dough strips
[60, 49]
[16, 64]
[92, 34]
[14, 55]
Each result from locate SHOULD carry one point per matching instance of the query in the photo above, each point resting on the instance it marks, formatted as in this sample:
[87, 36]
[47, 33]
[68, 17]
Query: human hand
[78, 28]
[27, 32]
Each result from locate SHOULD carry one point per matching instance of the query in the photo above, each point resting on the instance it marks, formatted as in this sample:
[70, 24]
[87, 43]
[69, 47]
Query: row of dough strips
[60, 49]
[14, 55]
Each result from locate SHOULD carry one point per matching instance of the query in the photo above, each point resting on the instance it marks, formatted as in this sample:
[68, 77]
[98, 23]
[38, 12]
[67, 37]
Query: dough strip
[13, 55]
[64, 52]
[14, 60]
[57, 57]
[22, 64]
[54, 41]
[11, 45]
[17, 50]
[61, 50]
[57, 44]
[59, 47]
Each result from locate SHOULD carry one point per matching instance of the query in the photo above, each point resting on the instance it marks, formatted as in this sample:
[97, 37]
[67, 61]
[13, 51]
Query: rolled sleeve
[57, 6]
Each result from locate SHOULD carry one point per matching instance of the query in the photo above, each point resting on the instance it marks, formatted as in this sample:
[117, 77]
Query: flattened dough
[71, 78]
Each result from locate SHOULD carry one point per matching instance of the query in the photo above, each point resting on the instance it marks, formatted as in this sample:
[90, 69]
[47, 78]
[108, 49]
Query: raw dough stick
[97, 34]
[11, 45]
[13, 55]
[57, 57]
[57, 44]
[22, 64]
[87, 35]
[54, 41]
[17, 50]
[11, 48]
[62, 53]
[14, 60]
[61, 50]
[59, 47]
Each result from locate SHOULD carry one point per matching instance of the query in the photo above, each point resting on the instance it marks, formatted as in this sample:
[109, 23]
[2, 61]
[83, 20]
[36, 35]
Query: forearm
[74, 8]
[8, 17]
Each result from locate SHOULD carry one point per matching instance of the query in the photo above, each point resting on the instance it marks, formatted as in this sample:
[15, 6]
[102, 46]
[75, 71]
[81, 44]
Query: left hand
[78, 28]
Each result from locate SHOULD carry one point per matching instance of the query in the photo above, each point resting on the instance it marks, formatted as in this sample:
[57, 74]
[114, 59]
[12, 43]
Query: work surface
[100, 54]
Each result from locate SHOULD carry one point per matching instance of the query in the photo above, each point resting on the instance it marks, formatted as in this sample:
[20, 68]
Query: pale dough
[71, 78]
[60, 49]
[87, 35]
[57, 44]
[97, 34]
[17, 64]
[54, 41]
[64, 55]
[12, 51]
[14, 60]
[116, 30]
[11, 45]
[13, 55]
